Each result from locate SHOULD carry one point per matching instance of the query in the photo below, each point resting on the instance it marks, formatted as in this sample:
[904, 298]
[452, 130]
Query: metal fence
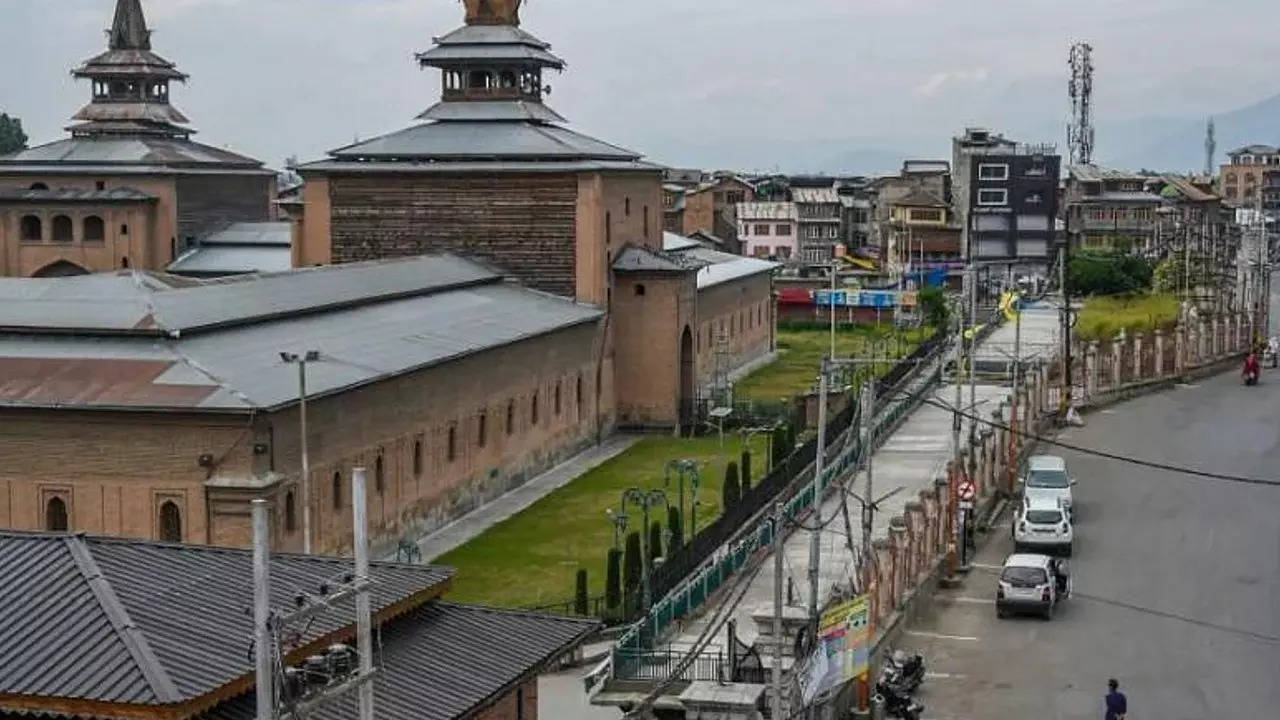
[595, 608]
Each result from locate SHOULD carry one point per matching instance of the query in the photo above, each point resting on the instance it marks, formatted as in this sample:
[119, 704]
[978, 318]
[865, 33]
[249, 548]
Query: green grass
[800, 353]
[1103, 317]
[532, 558]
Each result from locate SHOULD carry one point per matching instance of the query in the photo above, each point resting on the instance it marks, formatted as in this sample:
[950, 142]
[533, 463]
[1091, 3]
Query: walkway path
[471, 525]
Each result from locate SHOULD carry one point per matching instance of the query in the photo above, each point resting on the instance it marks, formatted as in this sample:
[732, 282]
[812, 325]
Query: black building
[1007, 192]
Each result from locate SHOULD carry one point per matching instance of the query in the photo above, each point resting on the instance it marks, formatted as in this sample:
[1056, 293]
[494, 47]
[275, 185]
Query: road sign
[967, 491]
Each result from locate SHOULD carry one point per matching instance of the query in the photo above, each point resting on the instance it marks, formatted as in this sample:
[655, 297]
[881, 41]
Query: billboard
[844, 647]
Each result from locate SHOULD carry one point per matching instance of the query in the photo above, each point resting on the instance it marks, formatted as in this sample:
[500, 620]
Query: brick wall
[210, 202]
[651, 312]
[743, 311]
[524, 224]
[519, 704]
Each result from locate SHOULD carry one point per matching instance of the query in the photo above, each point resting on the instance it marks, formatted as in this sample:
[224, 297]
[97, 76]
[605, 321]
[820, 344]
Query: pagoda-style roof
[116, 153]
[484, 141]
[482, 43]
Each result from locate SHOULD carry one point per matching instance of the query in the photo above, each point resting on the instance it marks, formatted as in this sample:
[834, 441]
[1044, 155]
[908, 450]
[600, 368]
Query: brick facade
[520, 703]
[740, 311]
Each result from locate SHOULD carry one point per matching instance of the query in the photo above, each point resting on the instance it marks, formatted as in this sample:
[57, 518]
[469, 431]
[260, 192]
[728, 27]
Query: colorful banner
[844, 635]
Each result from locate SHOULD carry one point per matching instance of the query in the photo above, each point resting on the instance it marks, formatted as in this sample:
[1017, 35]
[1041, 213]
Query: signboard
[844, 638]
[823, 298]
[967, 490]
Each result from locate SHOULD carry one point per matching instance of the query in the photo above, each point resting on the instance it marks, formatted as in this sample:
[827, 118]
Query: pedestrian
[1117, 703]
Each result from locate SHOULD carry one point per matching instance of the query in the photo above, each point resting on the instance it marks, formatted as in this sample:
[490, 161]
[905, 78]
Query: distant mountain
[1178, 145]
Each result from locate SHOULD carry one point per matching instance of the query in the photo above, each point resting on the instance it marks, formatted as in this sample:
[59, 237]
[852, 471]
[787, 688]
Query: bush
[613, 579]
[746, 471]
[1104, 317]
[933, 305]
[732, 491]
[780, 447]
[655, 542]
[674, 527]
[632, 566]
[1092, 272]
[581, 605]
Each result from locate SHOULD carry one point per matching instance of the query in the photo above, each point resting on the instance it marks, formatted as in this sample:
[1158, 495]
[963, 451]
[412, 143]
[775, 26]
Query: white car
[1043, 526]
[1047, 480]
[1032, 583]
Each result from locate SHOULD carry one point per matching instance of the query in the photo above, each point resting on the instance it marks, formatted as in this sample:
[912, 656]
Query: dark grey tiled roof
[485, 140]
[126, 151]
[73, 195]
[445, 661]
[639, 259]
[126, 621]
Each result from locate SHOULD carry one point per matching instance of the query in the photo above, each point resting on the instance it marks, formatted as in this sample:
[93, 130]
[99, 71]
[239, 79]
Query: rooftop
[114, 152]
[1098, 173]
[714, 267]
[767, 211]
[815, 195]
[1254, 150]
[251, 247]
[150, 341]
[75, 195]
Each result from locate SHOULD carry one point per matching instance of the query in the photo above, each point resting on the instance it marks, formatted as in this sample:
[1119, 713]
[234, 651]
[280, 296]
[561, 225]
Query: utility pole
[301, 361]
[1017, 381]
[958, 366]
[815, 535]
[263, 644]
[777, 611]
[831, 307]
[868, 451]
[1064, 320]
[973, 347]
[364, 637]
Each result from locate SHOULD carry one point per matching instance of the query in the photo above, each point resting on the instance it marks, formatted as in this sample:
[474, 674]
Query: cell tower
[1080, 133]
[1210, 148]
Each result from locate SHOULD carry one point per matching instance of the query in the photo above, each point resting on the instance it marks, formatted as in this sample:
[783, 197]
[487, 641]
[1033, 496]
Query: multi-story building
[818, 210]
[857, 215]
[918, 178]
[1007, 193]
[129, 188]
[673, 207]
[769, 230]
[712, 206]
[1243, 173]
[1111, 209]
[921, 232]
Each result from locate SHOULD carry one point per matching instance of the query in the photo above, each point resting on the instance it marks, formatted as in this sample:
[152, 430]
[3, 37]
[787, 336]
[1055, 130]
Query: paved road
[1200, 559]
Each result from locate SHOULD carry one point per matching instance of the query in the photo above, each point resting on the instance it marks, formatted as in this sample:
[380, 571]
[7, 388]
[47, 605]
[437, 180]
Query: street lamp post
[682, 469]
[301, 361]
[645, 499]
[619, 522]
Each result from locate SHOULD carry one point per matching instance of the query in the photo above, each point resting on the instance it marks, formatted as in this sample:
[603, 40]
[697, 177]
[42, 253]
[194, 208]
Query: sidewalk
[464, 529]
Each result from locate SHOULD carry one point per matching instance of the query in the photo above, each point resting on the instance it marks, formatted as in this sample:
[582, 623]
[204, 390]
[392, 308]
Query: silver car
[1046, 481]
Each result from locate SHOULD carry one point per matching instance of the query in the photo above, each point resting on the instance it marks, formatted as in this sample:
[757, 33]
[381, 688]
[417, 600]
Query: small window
[55, 515]
[173, 249]
[124, 228]
[993, 172]
[379, 474]
[337, 490]
[100, 185]
[578, 395]
[170, 522]
[640, 289]
[511, 417]
[761, 229]
[290, 513]
[417, 457]
[94, 229]
[608, 228]
[993, 197]
[452, 449]
[533, 409]
[482, 430]
[557, 402]
[646, 221]
[62, 230]
[124, 263]
[626, 207]
[39, 186]
[32, 228]
[782, 229]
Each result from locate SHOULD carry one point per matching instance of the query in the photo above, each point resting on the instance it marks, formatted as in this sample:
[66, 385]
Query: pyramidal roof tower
[130, 83]
[492, 105]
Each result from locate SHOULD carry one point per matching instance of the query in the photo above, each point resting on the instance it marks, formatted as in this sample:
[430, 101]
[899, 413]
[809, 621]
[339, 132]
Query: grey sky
[754, 84]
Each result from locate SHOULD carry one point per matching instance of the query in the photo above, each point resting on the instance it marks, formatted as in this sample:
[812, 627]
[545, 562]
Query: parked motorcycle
[1250, 372]
[904, 672]
[897, 704]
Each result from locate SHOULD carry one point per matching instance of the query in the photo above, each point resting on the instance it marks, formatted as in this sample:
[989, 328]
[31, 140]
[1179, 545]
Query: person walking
[1117, 703]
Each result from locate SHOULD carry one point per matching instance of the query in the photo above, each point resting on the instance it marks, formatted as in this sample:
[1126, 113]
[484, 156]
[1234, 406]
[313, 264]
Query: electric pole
[263, 643]
[301, 360]
[776, 675]
[815, 535]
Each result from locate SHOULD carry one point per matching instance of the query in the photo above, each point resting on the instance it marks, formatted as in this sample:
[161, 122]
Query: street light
[645, 499]
[686, 468]
[301, 361]
[619, 522]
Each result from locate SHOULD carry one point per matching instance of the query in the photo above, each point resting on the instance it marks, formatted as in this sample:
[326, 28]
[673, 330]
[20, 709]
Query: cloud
[937, 81]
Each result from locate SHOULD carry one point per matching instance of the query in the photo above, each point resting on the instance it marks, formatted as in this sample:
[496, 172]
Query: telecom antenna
[1210, 148]
[1080, 134]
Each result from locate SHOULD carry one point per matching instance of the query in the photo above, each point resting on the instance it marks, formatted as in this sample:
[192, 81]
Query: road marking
[940, 636]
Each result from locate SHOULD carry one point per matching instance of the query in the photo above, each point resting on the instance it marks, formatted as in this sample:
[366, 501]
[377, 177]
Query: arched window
[39, 186]
[32, 228]
[94, 229]
[452, 450]
[124, 263]
[170, 522]
[62, 231]
[379, 474]
[55, 515]
[290, 513]
[337, 490]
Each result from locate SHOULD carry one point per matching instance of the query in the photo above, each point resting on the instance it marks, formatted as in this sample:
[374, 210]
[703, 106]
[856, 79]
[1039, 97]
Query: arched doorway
[687, 372]
[61, 268]
[55, 515]
[170, 522]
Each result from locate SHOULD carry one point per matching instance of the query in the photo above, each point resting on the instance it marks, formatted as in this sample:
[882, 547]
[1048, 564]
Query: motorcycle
[897, 704]
[904, 672]
[1250, 376]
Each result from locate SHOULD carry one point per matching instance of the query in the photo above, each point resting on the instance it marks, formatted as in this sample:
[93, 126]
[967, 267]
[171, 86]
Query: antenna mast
[1080, 133]
[1210, 148]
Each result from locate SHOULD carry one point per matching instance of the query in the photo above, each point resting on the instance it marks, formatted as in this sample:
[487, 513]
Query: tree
[580, 600]
[1173, 273]
[632, 565]
[732, 491]
[655, 543]
[674, 527]
[933, 305]
[780, 447]
[613, 580]
[12, 137]
[746, 471]
[1094, 272]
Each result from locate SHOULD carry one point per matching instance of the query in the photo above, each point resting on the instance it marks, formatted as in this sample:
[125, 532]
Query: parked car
[1046, 478]
[1032, 583]
[1042, 526]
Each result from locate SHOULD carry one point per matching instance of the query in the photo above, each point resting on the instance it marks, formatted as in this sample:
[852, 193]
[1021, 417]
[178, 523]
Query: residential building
[673, 207]
[711, 207]
[918, 178]
[1111, 209]
[921, 232]
[857, 213]
[1243, 173]
[769, 230]
[1007, 193]
[110, 628]
[129, 188]
[818, 210]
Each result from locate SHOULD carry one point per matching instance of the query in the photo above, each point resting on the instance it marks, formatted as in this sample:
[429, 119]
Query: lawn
[800, 353]
[1104, 316]
[532, 558]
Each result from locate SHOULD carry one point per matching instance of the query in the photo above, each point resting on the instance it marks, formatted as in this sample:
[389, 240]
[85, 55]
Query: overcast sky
[751, 84]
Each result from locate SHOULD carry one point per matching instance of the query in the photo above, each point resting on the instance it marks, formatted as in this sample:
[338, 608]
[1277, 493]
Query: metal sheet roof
[672, 241]
[444, 661]
[767, 211]
[252, 233]
[1098, 173]
[127, 621]
[815, 195]
[369, 322]
[490, 35]
[723, 267]
[491, 110]
[480, 167]
[466, 54]
[485, 140]
[218, 260]
[128, 151]
[639, 259]
[73, 195]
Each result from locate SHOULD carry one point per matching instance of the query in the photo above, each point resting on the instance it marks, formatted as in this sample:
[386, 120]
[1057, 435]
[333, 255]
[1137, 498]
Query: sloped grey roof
[221, 260]
[491, 110]
[490, 35]
[73, 195]
[127, 621]
[445, 661]
[720, 267]
[767, 211]
[112, 151]
[1096, 173]
[252, 233]
[487, 141]
[638, 259]
[144, 341]
[481, 167]
[467, 54]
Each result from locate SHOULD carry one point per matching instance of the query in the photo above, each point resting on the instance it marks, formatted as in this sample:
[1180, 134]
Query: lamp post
[683, 469]
[645, 499]
[301, 361]
[619, 522]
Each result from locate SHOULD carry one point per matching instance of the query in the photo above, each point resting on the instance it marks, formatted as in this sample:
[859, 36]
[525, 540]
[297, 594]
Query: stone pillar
[1117, 348]
[928, 539]
[1091, 369]
[988, 461]
[1202, 342]
[916, 540]
[1137, 356]
[883, 572]
[942, 491]
[898, 543]
[1215, 345]
[1179, 349]
[1159, 369]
